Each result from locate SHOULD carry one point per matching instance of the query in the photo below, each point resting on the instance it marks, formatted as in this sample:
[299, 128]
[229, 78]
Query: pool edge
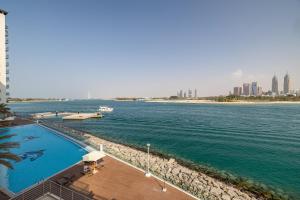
[82, 145]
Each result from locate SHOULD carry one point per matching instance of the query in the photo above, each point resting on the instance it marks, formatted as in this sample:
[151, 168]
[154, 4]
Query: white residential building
[3, 58]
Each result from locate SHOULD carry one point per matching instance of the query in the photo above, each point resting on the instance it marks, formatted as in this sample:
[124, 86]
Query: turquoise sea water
[43, 154]
[259, 142]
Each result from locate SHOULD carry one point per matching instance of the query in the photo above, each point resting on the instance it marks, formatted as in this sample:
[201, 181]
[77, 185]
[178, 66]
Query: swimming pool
[43, 154]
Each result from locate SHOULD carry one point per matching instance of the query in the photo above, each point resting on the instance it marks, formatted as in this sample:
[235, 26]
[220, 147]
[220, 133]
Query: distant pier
[67, 115]
[82, 116]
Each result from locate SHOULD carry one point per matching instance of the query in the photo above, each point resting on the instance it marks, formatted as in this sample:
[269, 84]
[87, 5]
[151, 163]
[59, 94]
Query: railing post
[50, 186]
[60, 192]
[43, 188]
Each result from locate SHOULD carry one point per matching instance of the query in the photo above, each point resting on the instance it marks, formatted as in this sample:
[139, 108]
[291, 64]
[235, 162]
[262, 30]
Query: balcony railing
[52, 189]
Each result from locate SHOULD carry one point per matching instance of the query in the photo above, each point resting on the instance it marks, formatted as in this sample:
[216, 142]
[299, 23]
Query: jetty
[67, 115]
[82, 116]
[50, 114]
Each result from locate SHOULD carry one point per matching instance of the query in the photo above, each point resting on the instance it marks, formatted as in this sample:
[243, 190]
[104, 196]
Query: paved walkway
[118, 181]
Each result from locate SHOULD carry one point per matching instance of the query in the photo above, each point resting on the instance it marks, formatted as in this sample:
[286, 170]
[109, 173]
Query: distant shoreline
[32, 101]
[181, 101]
[217, 102]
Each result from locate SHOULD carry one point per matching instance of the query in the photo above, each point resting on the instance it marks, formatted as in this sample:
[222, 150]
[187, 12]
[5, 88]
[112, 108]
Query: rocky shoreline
[191, 179]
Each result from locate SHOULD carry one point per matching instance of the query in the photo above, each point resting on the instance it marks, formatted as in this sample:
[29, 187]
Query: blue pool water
[43, 153]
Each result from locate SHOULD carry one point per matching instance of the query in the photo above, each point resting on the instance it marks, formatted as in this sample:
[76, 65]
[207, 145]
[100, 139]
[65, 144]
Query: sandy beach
[192, 101]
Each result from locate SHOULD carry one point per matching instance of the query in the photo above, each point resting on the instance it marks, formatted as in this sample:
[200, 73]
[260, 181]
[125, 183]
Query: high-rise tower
[286, 84]
[237, 91]
[180, 94]
[246, 89]
[275, 85]
[190, 93]
[3, 58]
[254, 88]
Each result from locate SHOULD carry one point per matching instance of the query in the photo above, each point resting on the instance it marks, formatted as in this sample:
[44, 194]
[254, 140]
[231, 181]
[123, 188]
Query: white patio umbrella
[93, 156]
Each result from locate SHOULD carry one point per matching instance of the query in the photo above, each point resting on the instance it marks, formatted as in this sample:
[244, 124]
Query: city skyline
[137, 49]
[254, 89]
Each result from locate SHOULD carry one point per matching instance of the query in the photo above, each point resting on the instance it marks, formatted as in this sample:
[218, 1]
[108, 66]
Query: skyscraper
[3, 58]
[298, 92]
[180, 94]
[196, 95]
[246, 89]
[275, 85]
[286, 84]
[254, 89]
[190, 93]
[259, 91]
[237, 91]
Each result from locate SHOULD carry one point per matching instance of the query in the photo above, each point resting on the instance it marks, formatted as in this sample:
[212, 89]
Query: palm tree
[5, 155]
[4, 109]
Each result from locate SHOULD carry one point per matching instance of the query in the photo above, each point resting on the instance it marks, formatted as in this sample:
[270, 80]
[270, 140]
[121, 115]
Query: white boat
[105, 109]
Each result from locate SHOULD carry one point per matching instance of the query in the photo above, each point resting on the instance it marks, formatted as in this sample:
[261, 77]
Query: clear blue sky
[62, 48]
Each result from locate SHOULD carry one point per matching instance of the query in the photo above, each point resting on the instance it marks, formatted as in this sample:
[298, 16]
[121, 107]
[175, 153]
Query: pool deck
[16, 122]
[3, 196]
[117, 180]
